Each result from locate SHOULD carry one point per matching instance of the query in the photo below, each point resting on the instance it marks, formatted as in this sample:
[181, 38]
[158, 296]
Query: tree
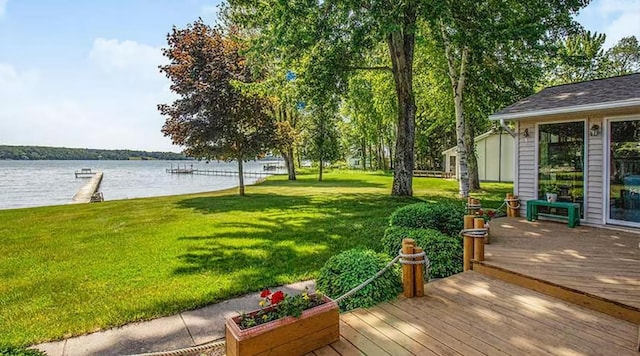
[323, 143]
[507, 33]
[624, 57]
[330, 38]
[213, 118]
[580, 57]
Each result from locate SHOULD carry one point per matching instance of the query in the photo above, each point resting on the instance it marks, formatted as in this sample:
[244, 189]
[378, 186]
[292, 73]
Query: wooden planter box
[290, 336]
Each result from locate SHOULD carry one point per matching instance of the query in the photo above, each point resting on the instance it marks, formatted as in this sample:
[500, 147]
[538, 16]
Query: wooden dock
[85, 194]
[474, 314]
[543, 289]
[594, 267]
[212, 172]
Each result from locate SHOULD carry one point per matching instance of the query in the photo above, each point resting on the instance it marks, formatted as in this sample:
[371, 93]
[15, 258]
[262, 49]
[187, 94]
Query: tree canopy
[213, 118]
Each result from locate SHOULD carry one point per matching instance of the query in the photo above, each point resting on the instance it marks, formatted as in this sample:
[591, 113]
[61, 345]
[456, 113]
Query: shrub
[444, 252]
[447, 218]
[348, 269]
[12, 351]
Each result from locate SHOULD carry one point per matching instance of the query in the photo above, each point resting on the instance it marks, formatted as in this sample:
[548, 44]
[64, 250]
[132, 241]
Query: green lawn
[73, 269]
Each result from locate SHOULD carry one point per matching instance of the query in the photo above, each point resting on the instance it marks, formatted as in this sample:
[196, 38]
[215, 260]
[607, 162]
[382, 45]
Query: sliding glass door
[624, 172]
[561, 162]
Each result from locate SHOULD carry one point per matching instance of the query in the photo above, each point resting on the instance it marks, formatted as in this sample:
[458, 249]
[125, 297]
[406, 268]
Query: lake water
[41, 183]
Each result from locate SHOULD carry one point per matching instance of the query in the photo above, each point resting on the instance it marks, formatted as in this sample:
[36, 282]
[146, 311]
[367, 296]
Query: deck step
[593, 302]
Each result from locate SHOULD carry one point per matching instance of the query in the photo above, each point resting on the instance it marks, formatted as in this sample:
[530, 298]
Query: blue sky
[84, 73]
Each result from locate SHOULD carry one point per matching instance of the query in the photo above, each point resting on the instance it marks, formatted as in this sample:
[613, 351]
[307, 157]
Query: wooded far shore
[64, 153]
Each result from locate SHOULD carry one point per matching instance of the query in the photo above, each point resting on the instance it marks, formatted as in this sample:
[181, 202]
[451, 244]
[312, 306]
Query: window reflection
[561, 162]
[624, 168]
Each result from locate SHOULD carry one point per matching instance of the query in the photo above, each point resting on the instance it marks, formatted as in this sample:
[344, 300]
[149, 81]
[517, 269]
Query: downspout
[500, 157]
[504, 126]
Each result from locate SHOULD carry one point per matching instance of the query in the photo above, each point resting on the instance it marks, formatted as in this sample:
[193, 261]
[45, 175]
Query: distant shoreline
[37, 153]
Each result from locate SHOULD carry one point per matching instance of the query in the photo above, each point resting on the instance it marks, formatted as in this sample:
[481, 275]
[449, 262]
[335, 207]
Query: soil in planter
[271, 313]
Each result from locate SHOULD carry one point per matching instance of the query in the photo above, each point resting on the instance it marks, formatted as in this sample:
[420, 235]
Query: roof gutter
[567, 110]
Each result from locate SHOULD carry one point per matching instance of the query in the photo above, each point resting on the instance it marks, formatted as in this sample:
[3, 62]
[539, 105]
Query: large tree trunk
[472, 160]
[290, 163]
[240, 176]
[320, 172]
[401, 45]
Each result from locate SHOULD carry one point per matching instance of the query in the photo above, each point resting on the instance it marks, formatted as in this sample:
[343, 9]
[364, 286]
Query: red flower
[277, 297]
[265, 293]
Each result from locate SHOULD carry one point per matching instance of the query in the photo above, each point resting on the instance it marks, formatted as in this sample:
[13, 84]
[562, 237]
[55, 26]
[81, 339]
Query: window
[561, 161]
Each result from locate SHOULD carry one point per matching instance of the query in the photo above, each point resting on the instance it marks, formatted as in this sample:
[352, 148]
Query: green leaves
[446, 218]
[347, 270]
[444, 252]
[213, 117]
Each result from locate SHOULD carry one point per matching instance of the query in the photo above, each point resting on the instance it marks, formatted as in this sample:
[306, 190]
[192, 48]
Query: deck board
[601, 262]
[474, 314]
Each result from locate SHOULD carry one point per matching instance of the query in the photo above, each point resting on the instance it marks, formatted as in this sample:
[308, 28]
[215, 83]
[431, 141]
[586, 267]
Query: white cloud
[3, 7]
[13, 81]
[615, 18]
[131, 57]
[89, 109]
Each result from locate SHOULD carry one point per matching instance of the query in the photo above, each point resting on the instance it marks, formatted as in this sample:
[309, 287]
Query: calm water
[40, 183]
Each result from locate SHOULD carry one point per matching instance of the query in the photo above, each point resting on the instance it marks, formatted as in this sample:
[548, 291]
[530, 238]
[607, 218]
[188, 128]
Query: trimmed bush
[348, 269]
[444, 252]
[12, 351]
[447, 218]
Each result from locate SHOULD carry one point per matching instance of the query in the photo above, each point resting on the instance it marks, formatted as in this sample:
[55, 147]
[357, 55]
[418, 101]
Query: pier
[89, 192]
[85, 173]
[209, 172]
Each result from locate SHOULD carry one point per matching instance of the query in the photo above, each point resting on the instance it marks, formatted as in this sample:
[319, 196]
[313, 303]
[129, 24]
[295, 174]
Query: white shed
[495, 152]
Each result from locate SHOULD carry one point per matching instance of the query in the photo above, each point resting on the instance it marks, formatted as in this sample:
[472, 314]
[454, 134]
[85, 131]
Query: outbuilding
[494, 150]
[581, 141]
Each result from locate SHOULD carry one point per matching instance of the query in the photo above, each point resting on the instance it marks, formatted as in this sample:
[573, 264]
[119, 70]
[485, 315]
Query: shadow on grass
[280, 236]
[312, 182]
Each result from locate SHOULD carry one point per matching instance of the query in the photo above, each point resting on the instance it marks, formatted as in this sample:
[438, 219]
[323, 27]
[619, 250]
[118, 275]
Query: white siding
[490, 161]
[526, 164]
[595, 174]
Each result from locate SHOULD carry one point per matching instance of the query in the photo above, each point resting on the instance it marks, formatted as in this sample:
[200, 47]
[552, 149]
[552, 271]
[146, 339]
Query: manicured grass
[73, 269]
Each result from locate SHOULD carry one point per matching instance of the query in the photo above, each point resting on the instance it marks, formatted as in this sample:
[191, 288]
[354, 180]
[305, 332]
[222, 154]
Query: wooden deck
[474, 314]
[600, 264]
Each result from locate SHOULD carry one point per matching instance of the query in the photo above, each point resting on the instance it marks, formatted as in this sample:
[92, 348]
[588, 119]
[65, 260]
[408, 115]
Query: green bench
[573, 210]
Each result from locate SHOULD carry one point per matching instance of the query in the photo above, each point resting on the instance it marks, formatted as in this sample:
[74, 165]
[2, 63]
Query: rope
[403, 261]
[506, 201]
[366, 283]
[474, 232]
[218, 348]
[402, 258]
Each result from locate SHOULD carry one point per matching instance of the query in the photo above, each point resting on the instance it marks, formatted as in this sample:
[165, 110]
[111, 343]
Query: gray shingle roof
[625, 87]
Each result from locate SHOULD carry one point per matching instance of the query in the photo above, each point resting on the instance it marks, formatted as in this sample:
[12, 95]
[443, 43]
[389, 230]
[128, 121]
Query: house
[582, 142]
[494, 150]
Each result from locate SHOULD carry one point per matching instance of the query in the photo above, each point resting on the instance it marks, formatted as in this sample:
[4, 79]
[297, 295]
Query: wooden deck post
[468, 243]
[511, 206]
[408, 282]
[418, 274]
[478, 240]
